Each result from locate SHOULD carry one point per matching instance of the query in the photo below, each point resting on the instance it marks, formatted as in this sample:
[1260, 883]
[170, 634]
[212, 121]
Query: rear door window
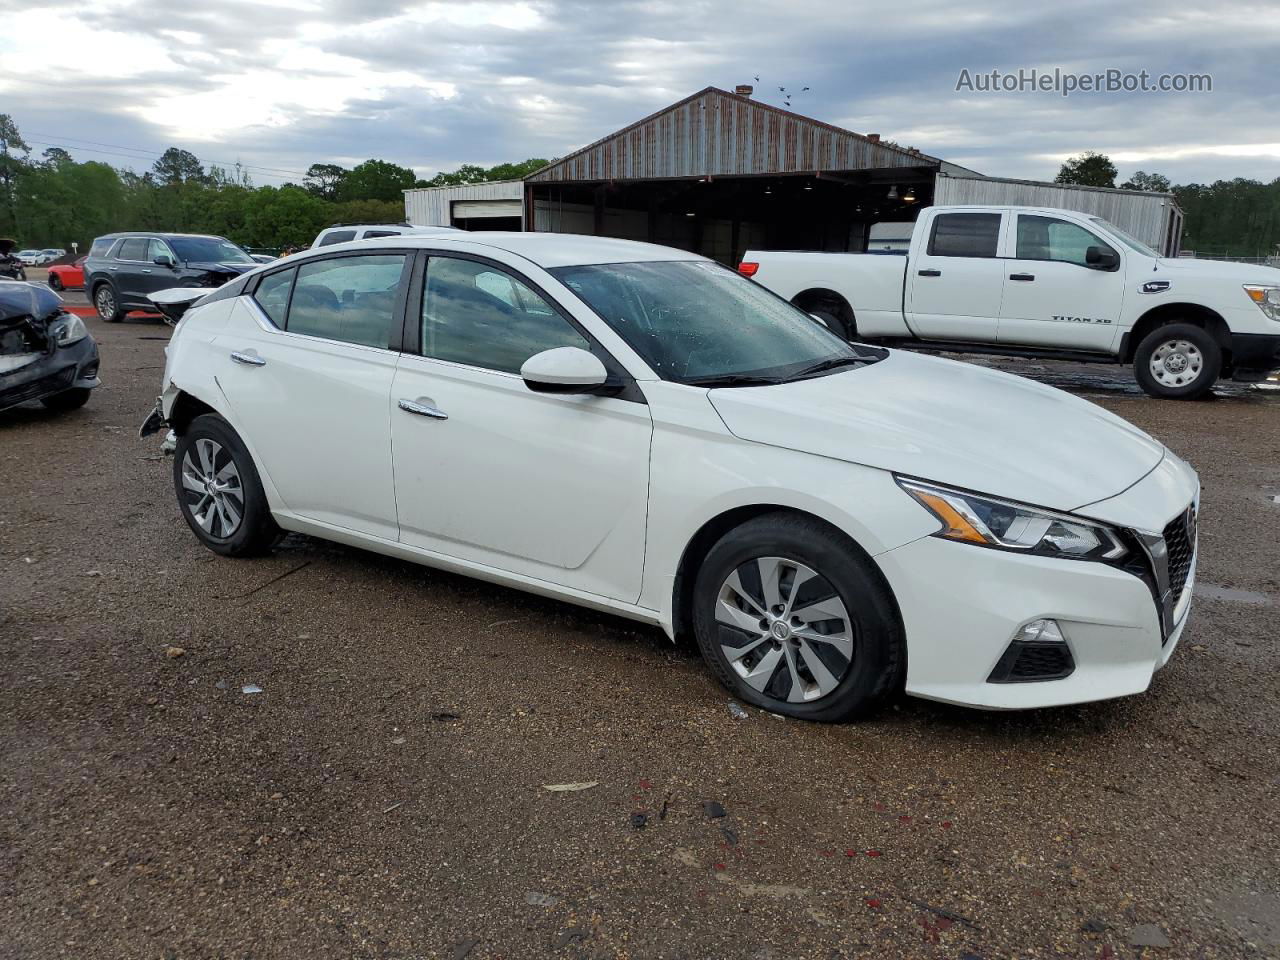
[100, 247]
[965, 235]
[272, 294]
[134, 248]
[351, 299]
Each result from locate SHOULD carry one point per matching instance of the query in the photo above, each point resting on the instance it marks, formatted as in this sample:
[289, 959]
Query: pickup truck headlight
[1267, 299]
[68, 330]
[1003, 525]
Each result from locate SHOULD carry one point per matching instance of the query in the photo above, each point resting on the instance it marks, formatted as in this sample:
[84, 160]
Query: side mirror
[164, 260]
[1100, 258]
[564, 370]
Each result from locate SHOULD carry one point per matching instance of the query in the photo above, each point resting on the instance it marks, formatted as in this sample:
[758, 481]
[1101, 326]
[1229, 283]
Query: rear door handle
[1022, 276]
[423, 407]
[930, 273]
[251, 359]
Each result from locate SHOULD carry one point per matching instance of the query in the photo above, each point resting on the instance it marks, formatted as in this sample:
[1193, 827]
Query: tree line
[1238, 218]
[54, 200]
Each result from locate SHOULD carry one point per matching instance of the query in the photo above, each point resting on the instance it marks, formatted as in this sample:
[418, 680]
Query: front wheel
[104, 299]
[1178, 361]
[792, 617]
[219, 491]
[55, 282]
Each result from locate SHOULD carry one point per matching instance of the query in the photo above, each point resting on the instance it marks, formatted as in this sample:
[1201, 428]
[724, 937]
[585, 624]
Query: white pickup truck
[1047, 283]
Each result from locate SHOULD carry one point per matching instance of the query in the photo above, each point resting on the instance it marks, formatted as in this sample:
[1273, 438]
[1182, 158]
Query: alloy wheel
[784, 629]
[106, 302]
[1176, 363]
[212, 488]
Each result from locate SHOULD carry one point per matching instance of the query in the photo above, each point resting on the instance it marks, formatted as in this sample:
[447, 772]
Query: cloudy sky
[280, 84]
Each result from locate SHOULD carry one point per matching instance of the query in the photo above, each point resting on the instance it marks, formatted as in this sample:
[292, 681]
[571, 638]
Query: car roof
[124, 234]
[544, 249]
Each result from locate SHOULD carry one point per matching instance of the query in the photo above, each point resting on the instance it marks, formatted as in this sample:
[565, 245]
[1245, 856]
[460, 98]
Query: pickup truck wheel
[793, 618]
[833, 322]
[1178, 361]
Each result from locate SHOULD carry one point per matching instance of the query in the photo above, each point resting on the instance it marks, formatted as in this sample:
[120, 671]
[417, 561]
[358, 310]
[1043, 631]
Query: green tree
[11, 167]
[285, 216]
[376, 180]
[471, 173]
[178, 166]
[324, 180]
[1153, 182]
[1089, 169]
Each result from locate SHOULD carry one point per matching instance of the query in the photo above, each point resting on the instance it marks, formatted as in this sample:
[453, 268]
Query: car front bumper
[963, 606]
[74, 366]
[1254, 356]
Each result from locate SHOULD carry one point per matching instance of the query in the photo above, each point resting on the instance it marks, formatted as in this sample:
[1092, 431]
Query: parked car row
[38, 258]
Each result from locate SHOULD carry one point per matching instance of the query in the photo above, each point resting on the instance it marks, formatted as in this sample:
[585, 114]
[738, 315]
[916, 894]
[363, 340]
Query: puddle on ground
[1229, 594]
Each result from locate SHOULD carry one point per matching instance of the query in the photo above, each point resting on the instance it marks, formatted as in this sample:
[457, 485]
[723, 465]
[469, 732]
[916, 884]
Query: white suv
[346, 232]
[639, 430]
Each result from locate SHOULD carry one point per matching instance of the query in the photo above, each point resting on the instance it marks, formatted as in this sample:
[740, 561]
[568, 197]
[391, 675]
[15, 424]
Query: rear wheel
[72, 399]
[792, 617]
[219, 491]
[1178, 361]
[55, 281]
[104, 299]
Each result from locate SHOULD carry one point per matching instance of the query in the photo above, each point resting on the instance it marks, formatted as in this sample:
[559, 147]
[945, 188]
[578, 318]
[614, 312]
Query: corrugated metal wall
[1144, 215]
[721, 134]
[432, 206]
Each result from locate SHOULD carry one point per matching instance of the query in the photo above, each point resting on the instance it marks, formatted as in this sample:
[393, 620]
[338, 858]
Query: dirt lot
[383, 796]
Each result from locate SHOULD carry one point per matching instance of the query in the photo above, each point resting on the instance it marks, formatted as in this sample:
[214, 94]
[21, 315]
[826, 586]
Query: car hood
[953, 423]
[1224, 270]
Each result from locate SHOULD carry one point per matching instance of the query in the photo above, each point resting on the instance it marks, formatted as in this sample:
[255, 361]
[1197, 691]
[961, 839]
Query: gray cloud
[586, 68]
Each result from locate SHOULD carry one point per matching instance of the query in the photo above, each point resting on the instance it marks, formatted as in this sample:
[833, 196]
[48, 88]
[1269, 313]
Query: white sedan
[639, 430]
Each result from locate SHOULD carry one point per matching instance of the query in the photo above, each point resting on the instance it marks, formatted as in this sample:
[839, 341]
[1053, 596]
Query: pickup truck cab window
[965, 235]
[1048, 238]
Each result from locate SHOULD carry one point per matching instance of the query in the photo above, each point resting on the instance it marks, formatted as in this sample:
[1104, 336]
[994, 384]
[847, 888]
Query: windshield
[1131, 242]
[699, 323]
[208, 250]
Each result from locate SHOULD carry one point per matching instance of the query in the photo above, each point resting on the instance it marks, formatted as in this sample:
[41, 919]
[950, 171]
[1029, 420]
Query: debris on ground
[570, 787]
[1094, 926]
[942, 912]
[730, 837]
[1147, 935]
[443, 716]
[393, 807]
[736, 711]
[251, 688]
[569, 936]
[713, 809]
[397, 741]
[537, 899]
[221, 684]
[638, 820]
[173, 653]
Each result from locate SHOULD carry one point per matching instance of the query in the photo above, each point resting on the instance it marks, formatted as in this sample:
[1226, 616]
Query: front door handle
[252, 359]
[423, 407]
[930, 273]
[1022, 276]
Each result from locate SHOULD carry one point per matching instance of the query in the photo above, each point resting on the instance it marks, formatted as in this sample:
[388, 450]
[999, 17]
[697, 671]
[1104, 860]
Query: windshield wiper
[831, 363]
[734, 380]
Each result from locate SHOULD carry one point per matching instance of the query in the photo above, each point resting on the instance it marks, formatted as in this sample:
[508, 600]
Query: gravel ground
[383, 795]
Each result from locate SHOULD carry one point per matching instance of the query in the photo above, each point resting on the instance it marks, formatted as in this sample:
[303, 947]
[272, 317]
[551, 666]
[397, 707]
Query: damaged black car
[123, 269]
[46, 354]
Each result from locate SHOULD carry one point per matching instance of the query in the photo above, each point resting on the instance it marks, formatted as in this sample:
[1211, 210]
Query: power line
[139, 153]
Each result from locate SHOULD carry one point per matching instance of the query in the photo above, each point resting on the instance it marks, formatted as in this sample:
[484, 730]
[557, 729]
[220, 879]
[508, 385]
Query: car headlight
[68, 330]
[1003, 525]
[1267, 299]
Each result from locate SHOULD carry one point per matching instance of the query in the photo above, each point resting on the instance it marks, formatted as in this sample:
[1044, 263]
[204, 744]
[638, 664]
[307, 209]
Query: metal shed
[1154, 218]
[497, 205]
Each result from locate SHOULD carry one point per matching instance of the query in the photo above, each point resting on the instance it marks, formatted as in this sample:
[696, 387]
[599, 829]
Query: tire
[107, 304]
[236, 520]
[833, 322]
[68, 400]
[756, 655]
[55, 282]
[1178, 361]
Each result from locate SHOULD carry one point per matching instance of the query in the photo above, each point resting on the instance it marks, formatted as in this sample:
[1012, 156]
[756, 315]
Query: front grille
[1026, 662]
[1179, 541]
[54, 383]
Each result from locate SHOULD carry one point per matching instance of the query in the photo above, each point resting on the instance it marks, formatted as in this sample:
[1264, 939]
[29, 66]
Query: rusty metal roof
[717, 133]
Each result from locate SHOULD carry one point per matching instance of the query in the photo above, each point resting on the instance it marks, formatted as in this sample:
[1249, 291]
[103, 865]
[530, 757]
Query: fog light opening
[1040, 631]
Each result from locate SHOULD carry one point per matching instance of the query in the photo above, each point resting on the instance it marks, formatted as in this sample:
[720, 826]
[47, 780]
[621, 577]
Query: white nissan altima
[640, 430]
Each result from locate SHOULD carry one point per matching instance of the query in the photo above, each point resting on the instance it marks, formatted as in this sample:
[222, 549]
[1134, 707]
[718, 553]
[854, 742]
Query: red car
[66, 275]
